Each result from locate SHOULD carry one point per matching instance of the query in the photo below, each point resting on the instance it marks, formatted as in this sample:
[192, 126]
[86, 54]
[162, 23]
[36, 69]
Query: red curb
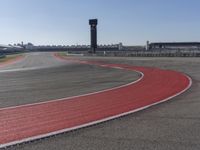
[29, 122]
[11, 61]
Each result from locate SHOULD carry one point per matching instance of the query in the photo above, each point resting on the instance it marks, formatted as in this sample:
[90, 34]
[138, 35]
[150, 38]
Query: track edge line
[95, 122]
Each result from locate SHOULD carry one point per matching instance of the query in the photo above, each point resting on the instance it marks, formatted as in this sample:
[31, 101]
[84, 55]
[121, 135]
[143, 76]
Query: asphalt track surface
[124, 137]
[40, 77]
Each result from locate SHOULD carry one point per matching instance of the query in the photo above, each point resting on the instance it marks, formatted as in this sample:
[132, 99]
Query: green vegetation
[62, 53]
[2, 56]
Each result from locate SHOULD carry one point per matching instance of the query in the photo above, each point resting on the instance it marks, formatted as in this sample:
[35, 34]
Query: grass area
[69, 54]
[9, 57]
[62, 53]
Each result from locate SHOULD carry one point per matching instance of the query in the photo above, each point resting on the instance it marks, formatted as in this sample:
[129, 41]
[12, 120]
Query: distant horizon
[132, 22]
[15, 44]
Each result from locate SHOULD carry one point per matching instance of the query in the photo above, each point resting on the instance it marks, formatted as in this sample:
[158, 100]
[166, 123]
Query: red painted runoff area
[11, 61]
[28, 122]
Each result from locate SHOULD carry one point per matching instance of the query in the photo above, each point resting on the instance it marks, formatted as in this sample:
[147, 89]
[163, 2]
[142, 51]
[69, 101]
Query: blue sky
[131, 22]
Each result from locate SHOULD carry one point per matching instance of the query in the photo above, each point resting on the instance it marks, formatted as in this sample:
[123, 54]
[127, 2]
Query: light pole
[93, 29]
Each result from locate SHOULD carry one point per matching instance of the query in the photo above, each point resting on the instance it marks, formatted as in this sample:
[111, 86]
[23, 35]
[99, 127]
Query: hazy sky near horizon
[131, 22]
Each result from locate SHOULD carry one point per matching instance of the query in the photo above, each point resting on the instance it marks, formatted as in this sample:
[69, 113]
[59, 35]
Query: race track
[38, 120]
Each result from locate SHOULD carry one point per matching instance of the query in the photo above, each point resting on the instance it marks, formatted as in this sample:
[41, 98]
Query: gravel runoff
[174, 125]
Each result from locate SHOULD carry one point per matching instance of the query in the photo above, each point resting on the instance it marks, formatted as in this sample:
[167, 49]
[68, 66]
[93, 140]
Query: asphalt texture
[41, 77]
[172, 125]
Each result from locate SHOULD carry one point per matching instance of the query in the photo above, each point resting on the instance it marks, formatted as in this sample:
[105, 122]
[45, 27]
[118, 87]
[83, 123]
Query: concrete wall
[143, 53]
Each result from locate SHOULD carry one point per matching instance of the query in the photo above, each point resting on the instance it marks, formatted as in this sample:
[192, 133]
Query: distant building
[147, 45]
[174, 45]
[29, 46]
[120, 46]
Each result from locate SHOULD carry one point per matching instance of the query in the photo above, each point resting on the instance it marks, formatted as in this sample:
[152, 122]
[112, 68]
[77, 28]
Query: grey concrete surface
[174, 125]
[34, 61]
[53, 79]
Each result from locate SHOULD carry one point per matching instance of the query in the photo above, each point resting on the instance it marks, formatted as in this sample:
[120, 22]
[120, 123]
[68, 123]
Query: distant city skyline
[132, 22]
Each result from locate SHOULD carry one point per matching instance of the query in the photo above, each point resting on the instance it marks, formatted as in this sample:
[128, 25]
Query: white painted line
[67, 98]
[103, 65]
[19, 69]
[68, 129]
[95, 122]
[117, 67]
